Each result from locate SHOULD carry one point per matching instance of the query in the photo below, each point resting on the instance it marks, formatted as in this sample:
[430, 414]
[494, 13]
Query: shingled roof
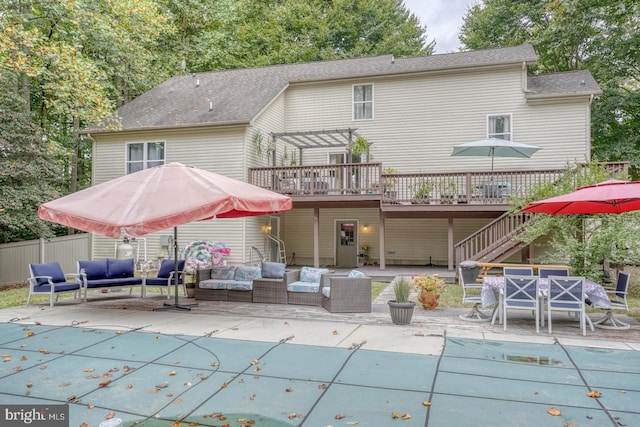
[574, 83]
[238, 96]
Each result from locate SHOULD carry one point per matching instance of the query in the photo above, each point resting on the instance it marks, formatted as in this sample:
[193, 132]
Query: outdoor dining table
[491, 286]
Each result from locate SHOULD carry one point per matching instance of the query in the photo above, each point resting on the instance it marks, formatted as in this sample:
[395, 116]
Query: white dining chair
[521, 293]
[567, 294]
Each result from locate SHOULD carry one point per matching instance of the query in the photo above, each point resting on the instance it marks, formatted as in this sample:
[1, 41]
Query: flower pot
[401, 312]
[191, 290]
[428, 300]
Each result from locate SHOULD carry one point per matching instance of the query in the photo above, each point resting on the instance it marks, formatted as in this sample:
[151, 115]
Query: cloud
[443, 19]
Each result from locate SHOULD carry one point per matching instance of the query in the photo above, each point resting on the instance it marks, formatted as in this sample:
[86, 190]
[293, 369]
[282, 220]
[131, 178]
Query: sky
[443, 19]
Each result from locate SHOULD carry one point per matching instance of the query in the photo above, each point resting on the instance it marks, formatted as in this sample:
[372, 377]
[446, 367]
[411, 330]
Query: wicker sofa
[226, 283]
[264, 283]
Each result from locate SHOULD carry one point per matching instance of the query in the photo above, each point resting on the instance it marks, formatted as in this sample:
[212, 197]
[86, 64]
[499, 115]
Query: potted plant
[422, 192]
[360, 147]
[389, 183]
[401, 309]
[429, 287]
[448, 191]
[190, 285]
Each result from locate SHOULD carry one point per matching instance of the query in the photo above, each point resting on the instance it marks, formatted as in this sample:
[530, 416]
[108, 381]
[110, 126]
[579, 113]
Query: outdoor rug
[150, 379]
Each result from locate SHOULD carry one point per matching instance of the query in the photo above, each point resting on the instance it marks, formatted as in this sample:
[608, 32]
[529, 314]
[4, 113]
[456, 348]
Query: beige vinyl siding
[220, 151]
[418, 120]
[407, 241]
[271, 120]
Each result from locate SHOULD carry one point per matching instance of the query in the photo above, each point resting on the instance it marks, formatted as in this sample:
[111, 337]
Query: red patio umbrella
[608, 197]
[158, 198]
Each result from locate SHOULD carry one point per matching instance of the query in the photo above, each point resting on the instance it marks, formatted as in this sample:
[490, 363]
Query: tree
[30, 170]
[602, 36]
[247, 33]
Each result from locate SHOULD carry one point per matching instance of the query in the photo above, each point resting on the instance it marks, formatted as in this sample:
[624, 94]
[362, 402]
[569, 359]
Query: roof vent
[210, 105]
[393, 59]
[582, 83]
[197, 82]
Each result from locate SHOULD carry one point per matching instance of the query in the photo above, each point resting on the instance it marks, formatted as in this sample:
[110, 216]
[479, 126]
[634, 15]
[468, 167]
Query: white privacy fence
[16, 257]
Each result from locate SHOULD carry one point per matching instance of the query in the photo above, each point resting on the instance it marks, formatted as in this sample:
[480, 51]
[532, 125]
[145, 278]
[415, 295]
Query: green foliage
[422, 189]
[583, 241]
[360, 146]
[401, 289]
[30, 170]
[600, 36]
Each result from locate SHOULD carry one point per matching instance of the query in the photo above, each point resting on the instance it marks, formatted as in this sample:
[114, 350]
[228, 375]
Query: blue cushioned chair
[49, 279]
[165, 277]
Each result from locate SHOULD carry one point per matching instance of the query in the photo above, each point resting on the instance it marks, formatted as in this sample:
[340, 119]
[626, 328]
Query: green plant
[388, 183]
[448, 187]
[360, 146]
[401, 290]
[422, 189]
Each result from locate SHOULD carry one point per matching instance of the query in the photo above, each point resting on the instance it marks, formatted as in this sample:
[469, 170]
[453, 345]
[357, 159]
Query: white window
[499, 126]
[144, 155]
[363, 102]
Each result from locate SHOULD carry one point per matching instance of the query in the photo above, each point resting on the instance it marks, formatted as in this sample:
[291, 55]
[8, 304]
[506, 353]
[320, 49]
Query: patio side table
[271, 291]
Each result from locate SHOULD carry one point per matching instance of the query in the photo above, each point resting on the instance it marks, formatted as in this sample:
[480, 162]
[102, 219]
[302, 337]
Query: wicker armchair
[273, 291]
[342, 294]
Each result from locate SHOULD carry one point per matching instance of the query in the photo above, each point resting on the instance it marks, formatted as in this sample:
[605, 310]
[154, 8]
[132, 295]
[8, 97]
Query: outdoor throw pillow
[272, 270]
[312, 275]
[247, 274]
[120, 267]
[356, 273]
[223, 272]
[94, 269]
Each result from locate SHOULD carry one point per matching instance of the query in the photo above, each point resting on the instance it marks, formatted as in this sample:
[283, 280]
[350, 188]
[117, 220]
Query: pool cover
[150, 379]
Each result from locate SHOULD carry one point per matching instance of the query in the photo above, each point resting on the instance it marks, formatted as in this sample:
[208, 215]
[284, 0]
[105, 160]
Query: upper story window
[499, 126]
[144, 155]
[363, 102]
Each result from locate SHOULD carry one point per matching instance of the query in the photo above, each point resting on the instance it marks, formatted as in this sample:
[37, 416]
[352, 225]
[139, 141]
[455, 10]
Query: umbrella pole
[175, 305]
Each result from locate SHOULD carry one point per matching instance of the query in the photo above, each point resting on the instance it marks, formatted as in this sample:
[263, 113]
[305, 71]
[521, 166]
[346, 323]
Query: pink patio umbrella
[158, 198]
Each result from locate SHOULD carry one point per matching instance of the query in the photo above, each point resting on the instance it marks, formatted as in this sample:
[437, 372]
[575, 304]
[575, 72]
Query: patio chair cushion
[223, 272]
[312, 275]
[357, 274]
[117, 268]
[272, 270]
[214, 284]
[303, 287]
[52, 269]
[240, 285]
[94, 270]
[167, 266]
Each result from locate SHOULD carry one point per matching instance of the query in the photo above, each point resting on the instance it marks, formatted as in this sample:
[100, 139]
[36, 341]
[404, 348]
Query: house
[408, 201]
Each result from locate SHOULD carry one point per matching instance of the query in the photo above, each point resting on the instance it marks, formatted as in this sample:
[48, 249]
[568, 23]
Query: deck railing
[416, 188]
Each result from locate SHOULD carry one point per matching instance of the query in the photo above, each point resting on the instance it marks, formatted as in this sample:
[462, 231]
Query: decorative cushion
[94, 269]
[223, 272]
[238, 285]
[272, 270]
[357, 274]
[52, 269]
[246, 274]
[312, 275]
[303, 287]
[119, 268]
[213, 284]
[167, 266]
